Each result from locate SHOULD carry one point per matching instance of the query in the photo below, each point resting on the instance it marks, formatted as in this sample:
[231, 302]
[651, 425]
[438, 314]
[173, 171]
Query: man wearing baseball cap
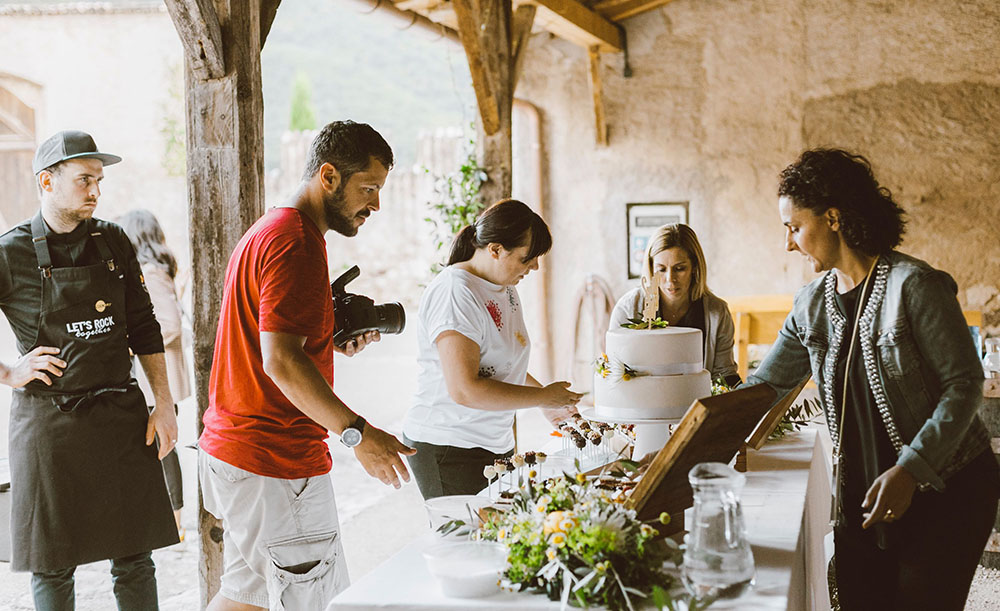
[86, 483]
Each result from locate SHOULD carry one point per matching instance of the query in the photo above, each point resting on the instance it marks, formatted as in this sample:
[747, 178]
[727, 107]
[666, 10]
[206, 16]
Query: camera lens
[391, 317]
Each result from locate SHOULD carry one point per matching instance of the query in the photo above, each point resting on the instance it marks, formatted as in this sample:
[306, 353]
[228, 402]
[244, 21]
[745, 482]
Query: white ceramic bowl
[467, 569]
[443, 509]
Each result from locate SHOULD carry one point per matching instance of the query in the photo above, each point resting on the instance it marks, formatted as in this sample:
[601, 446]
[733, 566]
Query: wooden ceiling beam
[572, 21]
[524, 19]
[616, 10]
[197, 23]
[596, 91]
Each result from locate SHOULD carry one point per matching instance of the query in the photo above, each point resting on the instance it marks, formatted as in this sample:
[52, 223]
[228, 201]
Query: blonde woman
[674, 255]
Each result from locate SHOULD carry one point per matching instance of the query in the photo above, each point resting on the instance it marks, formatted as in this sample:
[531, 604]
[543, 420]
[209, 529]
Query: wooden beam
[616, 10]
[268, 10]
[594, 68]
[225, 167]
[480, 47]
[484, 27]
[417, 5]
[524, 19]
[571, 20]
[197, 24]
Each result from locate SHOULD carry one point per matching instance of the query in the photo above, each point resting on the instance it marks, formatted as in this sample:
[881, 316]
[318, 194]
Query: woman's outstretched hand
[558, 394]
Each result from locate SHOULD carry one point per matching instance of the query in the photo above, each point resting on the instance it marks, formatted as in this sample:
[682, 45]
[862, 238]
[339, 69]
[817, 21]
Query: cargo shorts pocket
[303, 571]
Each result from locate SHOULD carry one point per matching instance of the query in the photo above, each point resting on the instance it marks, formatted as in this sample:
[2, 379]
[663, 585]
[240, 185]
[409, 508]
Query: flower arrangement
[616, 371]
[572, 539]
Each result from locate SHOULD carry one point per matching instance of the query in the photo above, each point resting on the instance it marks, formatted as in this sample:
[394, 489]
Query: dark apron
[84, 485]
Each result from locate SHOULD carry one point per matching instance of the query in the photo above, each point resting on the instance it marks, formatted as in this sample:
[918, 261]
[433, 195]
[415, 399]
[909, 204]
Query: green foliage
[638, 323]
[797, 417]
[303, 115]
[362, 67]
[567, 528]
[458, 201]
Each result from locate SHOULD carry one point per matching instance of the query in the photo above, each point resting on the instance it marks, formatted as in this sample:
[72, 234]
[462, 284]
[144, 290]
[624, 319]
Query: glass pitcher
[991, 362]
[718, 563]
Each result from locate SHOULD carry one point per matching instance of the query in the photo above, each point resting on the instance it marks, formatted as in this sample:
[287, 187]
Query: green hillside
[362, 67]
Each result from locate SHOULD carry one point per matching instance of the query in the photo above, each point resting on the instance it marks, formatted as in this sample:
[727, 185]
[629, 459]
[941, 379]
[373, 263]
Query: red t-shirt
[277, 281]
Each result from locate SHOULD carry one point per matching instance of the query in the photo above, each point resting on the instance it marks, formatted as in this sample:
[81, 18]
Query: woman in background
[159, 269]
[473, 353]
[674, 255]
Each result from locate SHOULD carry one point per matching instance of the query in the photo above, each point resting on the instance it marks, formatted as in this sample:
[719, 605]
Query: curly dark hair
[349, 147]
[821, 179]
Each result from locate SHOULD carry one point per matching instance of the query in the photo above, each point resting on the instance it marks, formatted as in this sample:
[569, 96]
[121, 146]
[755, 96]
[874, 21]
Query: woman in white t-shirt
[473, 353]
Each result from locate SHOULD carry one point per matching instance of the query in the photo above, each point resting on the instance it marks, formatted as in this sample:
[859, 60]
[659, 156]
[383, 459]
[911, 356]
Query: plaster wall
[726, 93]
[108, 73]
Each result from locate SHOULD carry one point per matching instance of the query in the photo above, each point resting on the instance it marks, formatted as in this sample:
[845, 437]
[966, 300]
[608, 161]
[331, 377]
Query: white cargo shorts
[281, 544]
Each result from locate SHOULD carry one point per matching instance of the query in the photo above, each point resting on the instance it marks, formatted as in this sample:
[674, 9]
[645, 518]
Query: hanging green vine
[458, 201]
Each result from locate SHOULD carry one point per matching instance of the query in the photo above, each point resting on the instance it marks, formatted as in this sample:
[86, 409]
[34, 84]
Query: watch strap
[359, 424]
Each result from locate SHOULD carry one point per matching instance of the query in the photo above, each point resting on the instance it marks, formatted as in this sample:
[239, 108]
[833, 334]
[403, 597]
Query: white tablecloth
[785, 505]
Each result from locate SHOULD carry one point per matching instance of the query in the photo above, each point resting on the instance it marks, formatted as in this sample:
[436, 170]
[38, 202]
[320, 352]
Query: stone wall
[725, 93]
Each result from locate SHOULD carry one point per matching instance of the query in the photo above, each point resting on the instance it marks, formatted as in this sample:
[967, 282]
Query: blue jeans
[134, 579]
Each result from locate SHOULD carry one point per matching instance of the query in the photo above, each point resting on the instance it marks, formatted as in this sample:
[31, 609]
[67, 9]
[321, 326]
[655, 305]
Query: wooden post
[596, 91]
[484, 27]
[524, 19]
[225, 168]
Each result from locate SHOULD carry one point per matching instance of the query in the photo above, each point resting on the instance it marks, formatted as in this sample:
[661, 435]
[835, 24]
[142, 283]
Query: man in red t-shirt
[264, 464]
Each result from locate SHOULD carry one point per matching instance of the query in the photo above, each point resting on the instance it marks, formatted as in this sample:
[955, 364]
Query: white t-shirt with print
[490, 315]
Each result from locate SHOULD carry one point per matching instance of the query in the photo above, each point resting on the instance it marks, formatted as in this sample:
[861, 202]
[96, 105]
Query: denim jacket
[919, 358]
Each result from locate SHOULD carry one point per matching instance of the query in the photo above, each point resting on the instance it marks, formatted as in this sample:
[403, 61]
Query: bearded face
[337, 216]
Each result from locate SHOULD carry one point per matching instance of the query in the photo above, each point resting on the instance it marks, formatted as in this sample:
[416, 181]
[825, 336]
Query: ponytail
[464, 245]
[509, 223]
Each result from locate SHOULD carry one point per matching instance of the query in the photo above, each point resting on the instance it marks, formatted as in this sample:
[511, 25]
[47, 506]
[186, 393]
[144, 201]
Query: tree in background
[303, 114]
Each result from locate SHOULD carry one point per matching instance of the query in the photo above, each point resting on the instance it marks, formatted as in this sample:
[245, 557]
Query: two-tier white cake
[650, 374]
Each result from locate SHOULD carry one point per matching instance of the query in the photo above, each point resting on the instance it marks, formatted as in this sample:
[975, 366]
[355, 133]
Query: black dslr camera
[357, 314]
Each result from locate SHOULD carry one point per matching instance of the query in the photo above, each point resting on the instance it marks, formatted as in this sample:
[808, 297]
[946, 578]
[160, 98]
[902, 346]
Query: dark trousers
[134, 579]
[933, 552]
[447, 470]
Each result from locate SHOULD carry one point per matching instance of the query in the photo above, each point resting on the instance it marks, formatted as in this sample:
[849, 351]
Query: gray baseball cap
[69, 144]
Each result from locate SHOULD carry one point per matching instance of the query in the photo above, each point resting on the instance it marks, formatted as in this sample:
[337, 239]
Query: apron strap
[41, 245]
[102, 247]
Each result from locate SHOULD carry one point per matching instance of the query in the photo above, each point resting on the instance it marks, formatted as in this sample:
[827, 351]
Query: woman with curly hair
[883, 335]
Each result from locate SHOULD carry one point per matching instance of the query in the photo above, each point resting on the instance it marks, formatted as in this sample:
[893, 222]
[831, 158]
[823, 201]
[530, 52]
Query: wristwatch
[351, 436]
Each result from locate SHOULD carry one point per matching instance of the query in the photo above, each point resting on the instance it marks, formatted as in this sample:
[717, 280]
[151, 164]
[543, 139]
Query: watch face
[351, 437]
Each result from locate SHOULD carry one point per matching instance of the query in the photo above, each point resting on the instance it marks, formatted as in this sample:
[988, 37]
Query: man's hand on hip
[39, 364]
[379, 453]
[162, 424]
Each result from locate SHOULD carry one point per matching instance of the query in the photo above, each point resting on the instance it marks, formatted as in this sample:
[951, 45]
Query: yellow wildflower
[501, 534]
[558, 539]
[551, 553]
[581, 478]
